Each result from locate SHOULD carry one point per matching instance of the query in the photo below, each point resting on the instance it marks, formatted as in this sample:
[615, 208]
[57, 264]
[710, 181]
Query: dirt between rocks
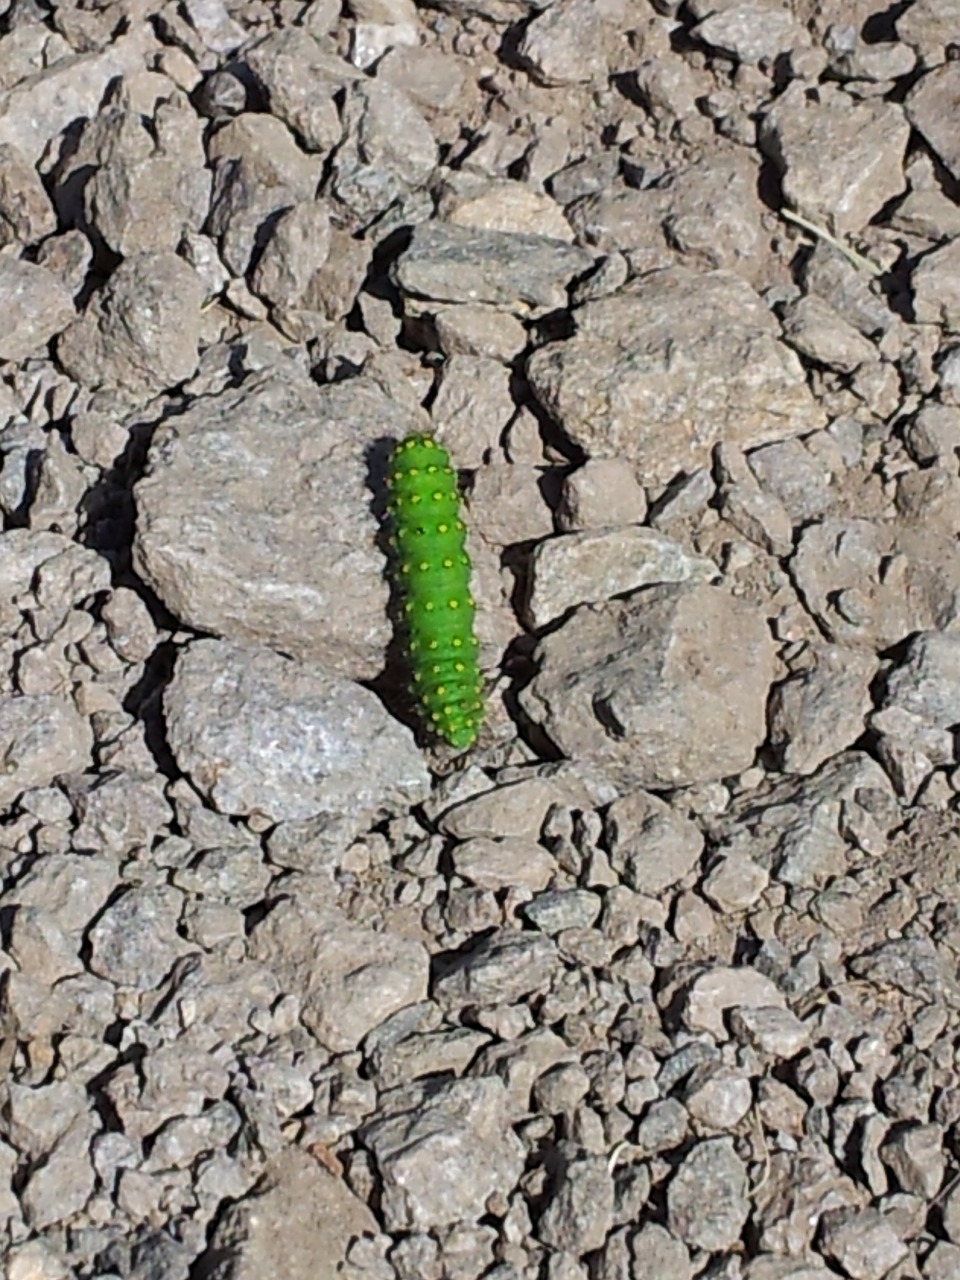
[660, 980]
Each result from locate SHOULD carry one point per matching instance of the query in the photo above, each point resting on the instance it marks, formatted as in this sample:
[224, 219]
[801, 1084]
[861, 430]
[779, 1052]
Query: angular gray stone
[35, 306]
[503, 967]
[651, 845]
[442, 1152]
[664, 689]
[141, 333]
[349, 979]
[663, 370]
[135, 941]
[862, 1242]
[597, 565]
[298, 1221]
[261, 734]
[523, 273]
[579, 1213]
[254, 521]
[707, 1199]
[41, 737]
[840, 159]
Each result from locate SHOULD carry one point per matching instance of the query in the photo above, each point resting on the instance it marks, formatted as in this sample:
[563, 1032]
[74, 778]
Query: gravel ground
[661, 979]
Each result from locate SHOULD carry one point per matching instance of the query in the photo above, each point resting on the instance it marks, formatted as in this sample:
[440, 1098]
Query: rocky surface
[660, 981]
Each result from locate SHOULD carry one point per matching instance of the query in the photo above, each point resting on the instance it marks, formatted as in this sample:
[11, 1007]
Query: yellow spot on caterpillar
[411, 443]
[459, 526]
[434, 644]
[436, 669]
[438, 495]
[453, 604]
[464, 558]
[404, 568]
[408, 607]
[435, 717]
[460, 666]
[441, 691]
[457, 642]
[443, 528]
[423, 566]
[429, 606]
[432, 469]
[471, 602]
[447, 562]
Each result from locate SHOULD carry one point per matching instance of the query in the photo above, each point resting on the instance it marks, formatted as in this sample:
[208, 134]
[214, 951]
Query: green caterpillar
[434, 578]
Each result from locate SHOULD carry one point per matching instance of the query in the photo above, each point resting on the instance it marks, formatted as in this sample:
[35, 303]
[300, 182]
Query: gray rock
[59, 1187]
[120, 812]
[735, 883]
[579, 1213]
[297, 247]
[751, 32]
[505, 966]
[796, 476]
[603, 492]
[36, 1118]
[814, 329]
[177, 1144]
[301, 79]
[664, 689]
[388, 149]
[617, 388]
[718, 991]
[707, 1199]
[563, 909]
[72, 886]
[862, 1242]
[298, 1217]
[305, 575]
[565, 44]
[775, 1031]
[262, 734]
[26, 214]
[651, 845]
[258, 171]
[717, 1097]
[349, 979]
[927, 682]
[135, 941]
[471, 411]
[822, 708]
[41, 737]
[36, 307]
[914, 1154]
[141, 333]
[42, 104]
[658, 1255]
[149, 183]
[928, 104]
[936, 287]
[913, 966]
[941, 1262]
[840, 160]
[442, 1152]
[495, 864]
[40, 948]
[599, 564]
[872, 585]
[523, 273]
